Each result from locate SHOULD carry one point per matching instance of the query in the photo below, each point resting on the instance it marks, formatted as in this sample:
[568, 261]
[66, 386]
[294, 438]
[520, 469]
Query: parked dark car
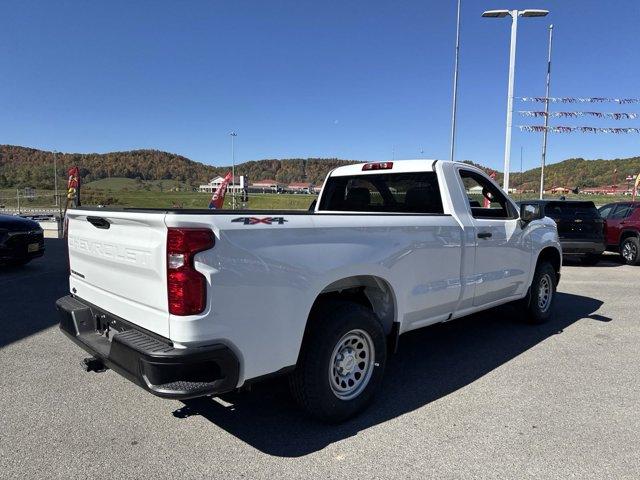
[21, 240]
[622, 221]
[580, 228]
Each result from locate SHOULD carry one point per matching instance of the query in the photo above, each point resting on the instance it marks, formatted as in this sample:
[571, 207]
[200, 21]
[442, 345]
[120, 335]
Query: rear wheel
[538, 304]
[341, 362]
[630, 250]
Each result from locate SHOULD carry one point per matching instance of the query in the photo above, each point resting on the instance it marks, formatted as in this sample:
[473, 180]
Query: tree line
[28, 167]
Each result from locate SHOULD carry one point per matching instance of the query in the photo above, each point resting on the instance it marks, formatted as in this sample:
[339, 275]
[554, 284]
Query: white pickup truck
[187, 303]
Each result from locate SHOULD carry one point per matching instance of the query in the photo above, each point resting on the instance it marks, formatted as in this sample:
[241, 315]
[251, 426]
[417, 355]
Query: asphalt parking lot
[482, 397]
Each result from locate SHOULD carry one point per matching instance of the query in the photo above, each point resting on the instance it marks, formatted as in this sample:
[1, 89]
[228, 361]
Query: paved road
[483, 397]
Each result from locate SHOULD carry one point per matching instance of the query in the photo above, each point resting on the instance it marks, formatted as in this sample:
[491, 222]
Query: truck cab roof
[392, 166]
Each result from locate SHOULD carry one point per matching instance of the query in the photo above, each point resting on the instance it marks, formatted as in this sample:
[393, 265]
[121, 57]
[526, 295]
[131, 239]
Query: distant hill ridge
[22, 167]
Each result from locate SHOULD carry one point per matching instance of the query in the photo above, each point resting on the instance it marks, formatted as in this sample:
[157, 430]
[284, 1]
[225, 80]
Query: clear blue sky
[302, 78]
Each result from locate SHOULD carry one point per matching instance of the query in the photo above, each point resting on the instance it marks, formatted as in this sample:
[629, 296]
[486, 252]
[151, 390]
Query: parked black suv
[21, 240]
[580, 228]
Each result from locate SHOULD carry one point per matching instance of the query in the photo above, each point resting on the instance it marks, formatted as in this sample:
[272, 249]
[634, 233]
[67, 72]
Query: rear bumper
[17, 248]
[146, 359]
[582, 248]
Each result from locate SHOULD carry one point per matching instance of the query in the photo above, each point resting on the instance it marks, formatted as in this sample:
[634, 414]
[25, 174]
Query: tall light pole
[454, 107]
[546, 115]
[55, 177]
[514, 14]
[233, 135]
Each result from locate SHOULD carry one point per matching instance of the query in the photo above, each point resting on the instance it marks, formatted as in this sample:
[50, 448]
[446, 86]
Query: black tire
[536, 311]
[590, 259]
[630, 251]
[311, 383]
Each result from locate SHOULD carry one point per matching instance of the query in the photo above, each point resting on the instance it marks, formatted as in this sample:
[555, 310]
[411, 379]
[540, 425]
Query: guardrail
[33, 210]
[51, 223]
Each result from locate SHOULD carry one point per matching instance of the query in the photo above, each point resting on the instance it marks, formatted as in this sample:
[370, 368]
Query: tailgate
[118, 263]
[581, 228]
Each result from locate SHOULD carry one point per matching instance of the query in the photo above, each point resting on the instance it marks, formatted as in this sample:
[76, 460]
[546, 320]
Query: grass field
[201, 200]
[127, 192]
[121, 183]
[157, 199]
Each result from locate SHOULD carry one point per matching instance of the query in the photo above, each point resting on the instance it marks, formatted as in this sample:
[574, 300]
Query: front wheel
[630, 251]
[538, 304]
[341, 363]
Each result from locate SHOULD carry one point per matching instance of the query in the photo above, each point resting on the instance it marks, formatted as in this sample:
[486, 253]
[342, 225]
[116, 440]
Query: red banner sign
[73, 186]
[217, 201]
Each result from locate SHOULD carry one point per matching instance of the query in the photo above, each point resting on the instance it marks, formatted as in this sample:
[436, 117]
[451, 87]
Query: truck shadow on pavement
[607, 260]
[28, 293]
[430, 363]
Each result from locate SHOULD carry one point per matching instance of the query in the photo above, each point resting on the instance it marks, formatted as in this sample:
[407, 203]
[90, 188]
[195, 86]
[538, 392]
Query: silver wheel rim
[351, 364]
[545, 292]
[629, 251]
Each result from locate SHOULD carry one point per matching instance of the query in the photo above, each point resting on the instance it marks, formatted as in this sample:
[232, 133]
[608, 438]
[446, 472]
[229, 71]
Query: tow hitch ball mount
[93, 364]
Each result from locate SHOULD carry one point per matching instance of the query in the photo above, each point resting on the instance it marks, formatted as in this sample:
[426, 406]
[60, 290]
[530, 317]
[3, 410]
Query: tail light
[186, 287]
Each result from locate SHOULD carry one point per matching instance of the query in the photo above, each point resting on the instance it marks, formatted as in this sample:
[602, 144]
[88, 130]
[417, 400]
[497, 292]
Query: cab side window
[485, 199]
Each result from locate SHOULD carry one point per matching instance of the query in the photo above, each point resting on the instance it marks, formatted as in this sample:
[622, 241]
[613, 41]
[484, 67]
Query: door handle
[99, 222]
[485, 235]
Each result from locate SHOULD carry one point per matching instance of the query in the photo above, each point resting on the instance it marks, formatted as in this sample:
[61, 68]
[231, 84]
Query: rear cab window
[410, 192]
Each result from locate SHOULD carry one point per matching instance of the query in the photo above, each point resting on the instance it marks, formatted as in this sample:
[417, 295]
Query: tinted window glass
[606, 210]
[621, 211]
[485, 199]
[385, 192]
[584, 210]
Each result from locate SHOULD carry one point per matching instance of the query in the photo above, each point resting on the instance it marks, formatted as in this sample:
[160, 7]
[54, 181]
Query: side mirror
[530, 212]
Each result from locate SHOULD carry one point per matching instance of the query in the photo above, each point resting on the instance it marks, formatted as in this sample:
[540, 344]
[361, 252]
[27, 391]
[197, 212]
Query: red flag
[73, 186]
[217, 201]
[486, 203]
[74, 178]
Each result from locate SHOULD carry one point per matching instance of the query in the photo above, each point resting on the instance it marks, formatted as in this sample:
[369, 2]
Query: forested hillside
[578, 172]
[22, 167]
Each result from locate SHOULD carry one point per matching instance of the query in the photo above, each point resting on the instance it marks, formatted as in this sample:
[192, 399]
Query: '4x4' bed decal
[257, 220]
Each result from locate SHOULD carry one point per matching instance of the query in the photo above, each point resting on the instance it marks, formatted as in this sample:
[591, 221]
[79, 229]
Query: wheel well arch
[551, 255]
[628, 233]
[369, 290]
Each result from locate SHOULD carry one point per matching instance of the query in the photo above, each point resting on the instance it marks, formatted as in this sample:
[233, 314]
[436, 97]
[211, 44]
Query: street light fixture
[514, 14]
[454, 107]
[55, 178]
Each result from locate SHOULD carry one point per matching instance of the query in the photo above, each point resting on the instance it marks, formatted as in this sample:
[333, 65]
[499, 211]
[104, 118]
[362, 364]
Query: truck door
[503, 253]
